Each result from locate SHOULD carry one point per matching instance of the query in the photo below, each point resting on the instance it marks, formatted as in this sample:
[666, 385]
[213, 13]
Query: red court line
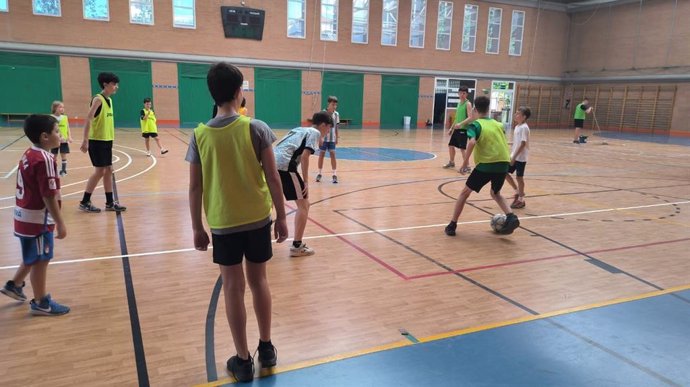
[358, 248]
[434, 274]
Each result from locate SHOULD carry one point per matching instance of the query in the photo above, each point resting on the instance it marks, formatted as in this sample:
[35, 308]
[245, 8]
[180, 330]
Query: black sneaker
[242, 370]
[115, 207]
[335, 179]
[268, 355]
[450, 228]
[14, 291]
[512, 222]
[88, 207]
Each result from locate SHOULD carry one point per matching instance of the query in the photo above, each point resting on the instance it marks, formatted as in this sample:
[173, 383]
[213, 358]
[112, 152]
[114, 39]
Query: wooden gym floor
[602, 222]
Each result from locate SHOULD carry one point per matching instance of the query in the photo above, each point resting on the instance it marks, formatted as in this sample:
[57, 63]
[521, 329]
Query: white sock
[334, 174]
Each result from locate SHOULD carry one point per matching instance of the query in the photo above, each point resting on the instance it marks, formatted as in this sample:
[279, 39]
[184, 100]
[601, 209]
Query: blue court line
[647, 137]
[381, 154]
[637, 343]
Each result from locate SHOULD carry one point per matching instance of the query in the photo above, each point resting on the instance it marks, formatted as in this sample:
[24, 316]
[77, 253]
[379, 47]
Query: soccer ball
[498, 222]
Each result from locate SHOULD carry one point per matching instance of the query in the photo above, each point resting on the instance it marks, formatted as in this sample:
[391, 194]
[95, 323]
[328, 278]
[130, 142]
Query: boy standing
[99, 133]
[58, 111]
[331, 140]
[294, 149]
[518, 156]
[581, 110]
[458, 131]
[37, 215]
[149, 129]
[233, 173]
[488, 141]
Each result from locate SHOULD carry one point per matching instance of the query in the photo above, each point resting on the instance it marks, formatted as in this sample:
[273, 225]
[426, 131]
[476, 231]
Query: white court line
[79, 260]
[10, 173]
[129, 161]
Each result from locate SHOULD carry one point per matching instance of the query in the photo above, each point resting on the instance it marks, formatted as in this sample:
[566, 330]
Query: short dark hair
[481, 103]
[332, 98]
[104, 78]
[244, 102]
[147, 99]
[37, 124]
[321, 117]
[463, 88]
[223, 80]
[585, 99]
[525, 111]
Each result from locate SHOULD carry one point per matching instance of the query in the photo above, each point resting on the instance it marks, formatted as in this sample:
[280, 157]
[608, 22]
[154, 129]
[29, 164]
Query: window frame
[470, 35]
[522, 33]
[366, 29]
[450, 29]
[304, 20]
[107, 18]
[193, 8]
[334, 22]
[33, 9]
[412, 20]
[488, 29]
[153, 16]
[383, 22]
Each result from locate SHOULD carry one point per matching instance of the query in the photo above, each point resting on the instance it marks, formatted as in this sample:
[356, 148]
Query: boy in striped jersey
[37, 215]
[330, 140]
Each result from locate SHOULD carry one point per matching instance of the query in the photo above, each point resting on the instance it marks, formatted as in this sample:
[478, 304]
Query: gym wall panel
[312, 98]
[399, 98]
[76, 90]
[278, 97]
[349, 89]
[30, 82]
[372, 101]
[195, 102]
[135, 85]
[165, 93]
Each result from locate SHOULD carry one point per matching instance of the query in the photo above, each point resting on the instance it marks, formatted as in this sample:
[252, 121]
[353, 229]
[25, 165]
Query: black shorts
[147, 135]
[255, 245]
[63, 148]
[478, 179]
[578, 123]
[293, 185]
[519, 168]
[101, 153]
[458, 139]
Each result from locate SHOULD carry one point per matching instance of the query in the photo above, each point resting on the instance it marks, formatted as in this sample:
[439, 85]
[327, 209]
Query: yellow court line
[459, 332]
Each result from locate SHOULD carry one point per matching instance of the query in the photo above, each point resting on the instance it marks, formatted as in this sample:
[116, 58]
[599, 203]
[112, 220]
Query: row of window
[184, 16]
[140, 11]
[297, 16]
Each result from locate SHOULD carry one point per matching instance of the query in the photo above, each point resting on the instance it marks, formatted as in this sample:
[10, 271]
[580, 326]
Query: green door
[278, 97]
[30, 83]
[196, 104]
[349, 88]
[135, 85]
[399, 98]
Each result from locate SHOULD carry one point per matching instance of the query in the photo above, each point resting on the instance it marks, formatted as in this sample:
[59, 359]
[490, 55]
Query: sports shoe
[14, 291]
[465, 170]
[512, 222]
[449, 165]
[148, 154]
[518, 204]
[335, 179]
[576, 141]
[450, 228]
[63, 173]
[302, 251]
[47, 307]
[164, 151]
[268, 355]
[318, 178]
[88, 207]
[242, 370]
[115, 206]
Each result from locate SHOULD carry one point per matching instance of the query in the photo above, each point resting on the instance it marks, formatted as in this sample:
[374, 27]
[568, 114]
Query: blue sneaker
[47, 307]
[14, 291]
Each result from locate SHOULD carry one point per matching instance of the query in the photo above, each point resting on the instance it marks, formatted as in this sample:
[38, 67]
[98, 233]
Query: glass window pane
[360, 21]
[493, 34]
[329, 20]
[141, 11]
[469, 28]
[389, 23]
[96, 10]
[444, 25]
[516, 33]
[418, 23]
[296, 14]
[46, 7]
[3, 6]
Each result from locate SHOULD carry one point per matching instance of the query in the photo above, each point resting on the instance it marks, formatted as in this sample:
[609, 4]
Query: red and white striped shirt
[37, 177]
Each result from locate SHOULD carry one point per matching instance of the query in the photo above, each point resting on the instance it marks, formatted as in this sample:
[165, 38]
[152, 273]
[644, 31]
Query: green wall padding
[135, 85]
[278, 97]
[349, 88]
[399, 97]
[196, 104]
[30, 83]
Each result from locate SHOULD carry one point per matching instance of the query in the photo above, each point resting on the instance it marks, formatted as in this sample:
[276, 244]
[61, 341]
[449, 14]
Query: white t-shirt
[330, 136]
[520, 134]
[289, 150]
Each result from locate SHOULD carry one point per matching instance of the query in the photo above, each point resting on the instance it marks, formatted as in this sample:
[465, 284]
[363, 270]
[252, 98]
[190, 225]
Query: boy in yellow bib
[58, 111]
[149, 129]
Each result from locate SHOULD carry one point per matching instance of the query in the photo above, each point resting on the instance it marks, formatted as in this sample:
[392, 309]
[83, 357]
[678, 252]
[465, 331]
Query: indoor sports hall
[592, 288]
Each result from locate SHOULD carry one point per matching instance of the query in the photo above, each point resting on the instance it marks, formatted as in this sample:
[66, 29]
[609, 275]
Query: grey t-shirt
[262, 137]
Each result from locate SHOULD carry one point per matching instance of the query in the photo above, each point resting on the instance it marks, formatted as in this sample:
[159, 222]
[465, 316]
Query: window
[417, 23]
[444, 26]
[296, 14]
[96, 10]
[517, 28]
[184, 14]
[47, 7]
[141, 11]
[3, 6]
[389, 23]
[329, 20]
[469, 28]
[360, 21]
[493, 32]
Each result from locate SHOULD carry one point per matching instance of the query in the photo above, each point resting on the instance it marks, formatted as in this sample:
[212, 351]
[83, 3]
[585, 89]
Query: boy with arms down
[293, 150]
[37, 215]
[232, 171]
[492, 159]
[149, 129]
